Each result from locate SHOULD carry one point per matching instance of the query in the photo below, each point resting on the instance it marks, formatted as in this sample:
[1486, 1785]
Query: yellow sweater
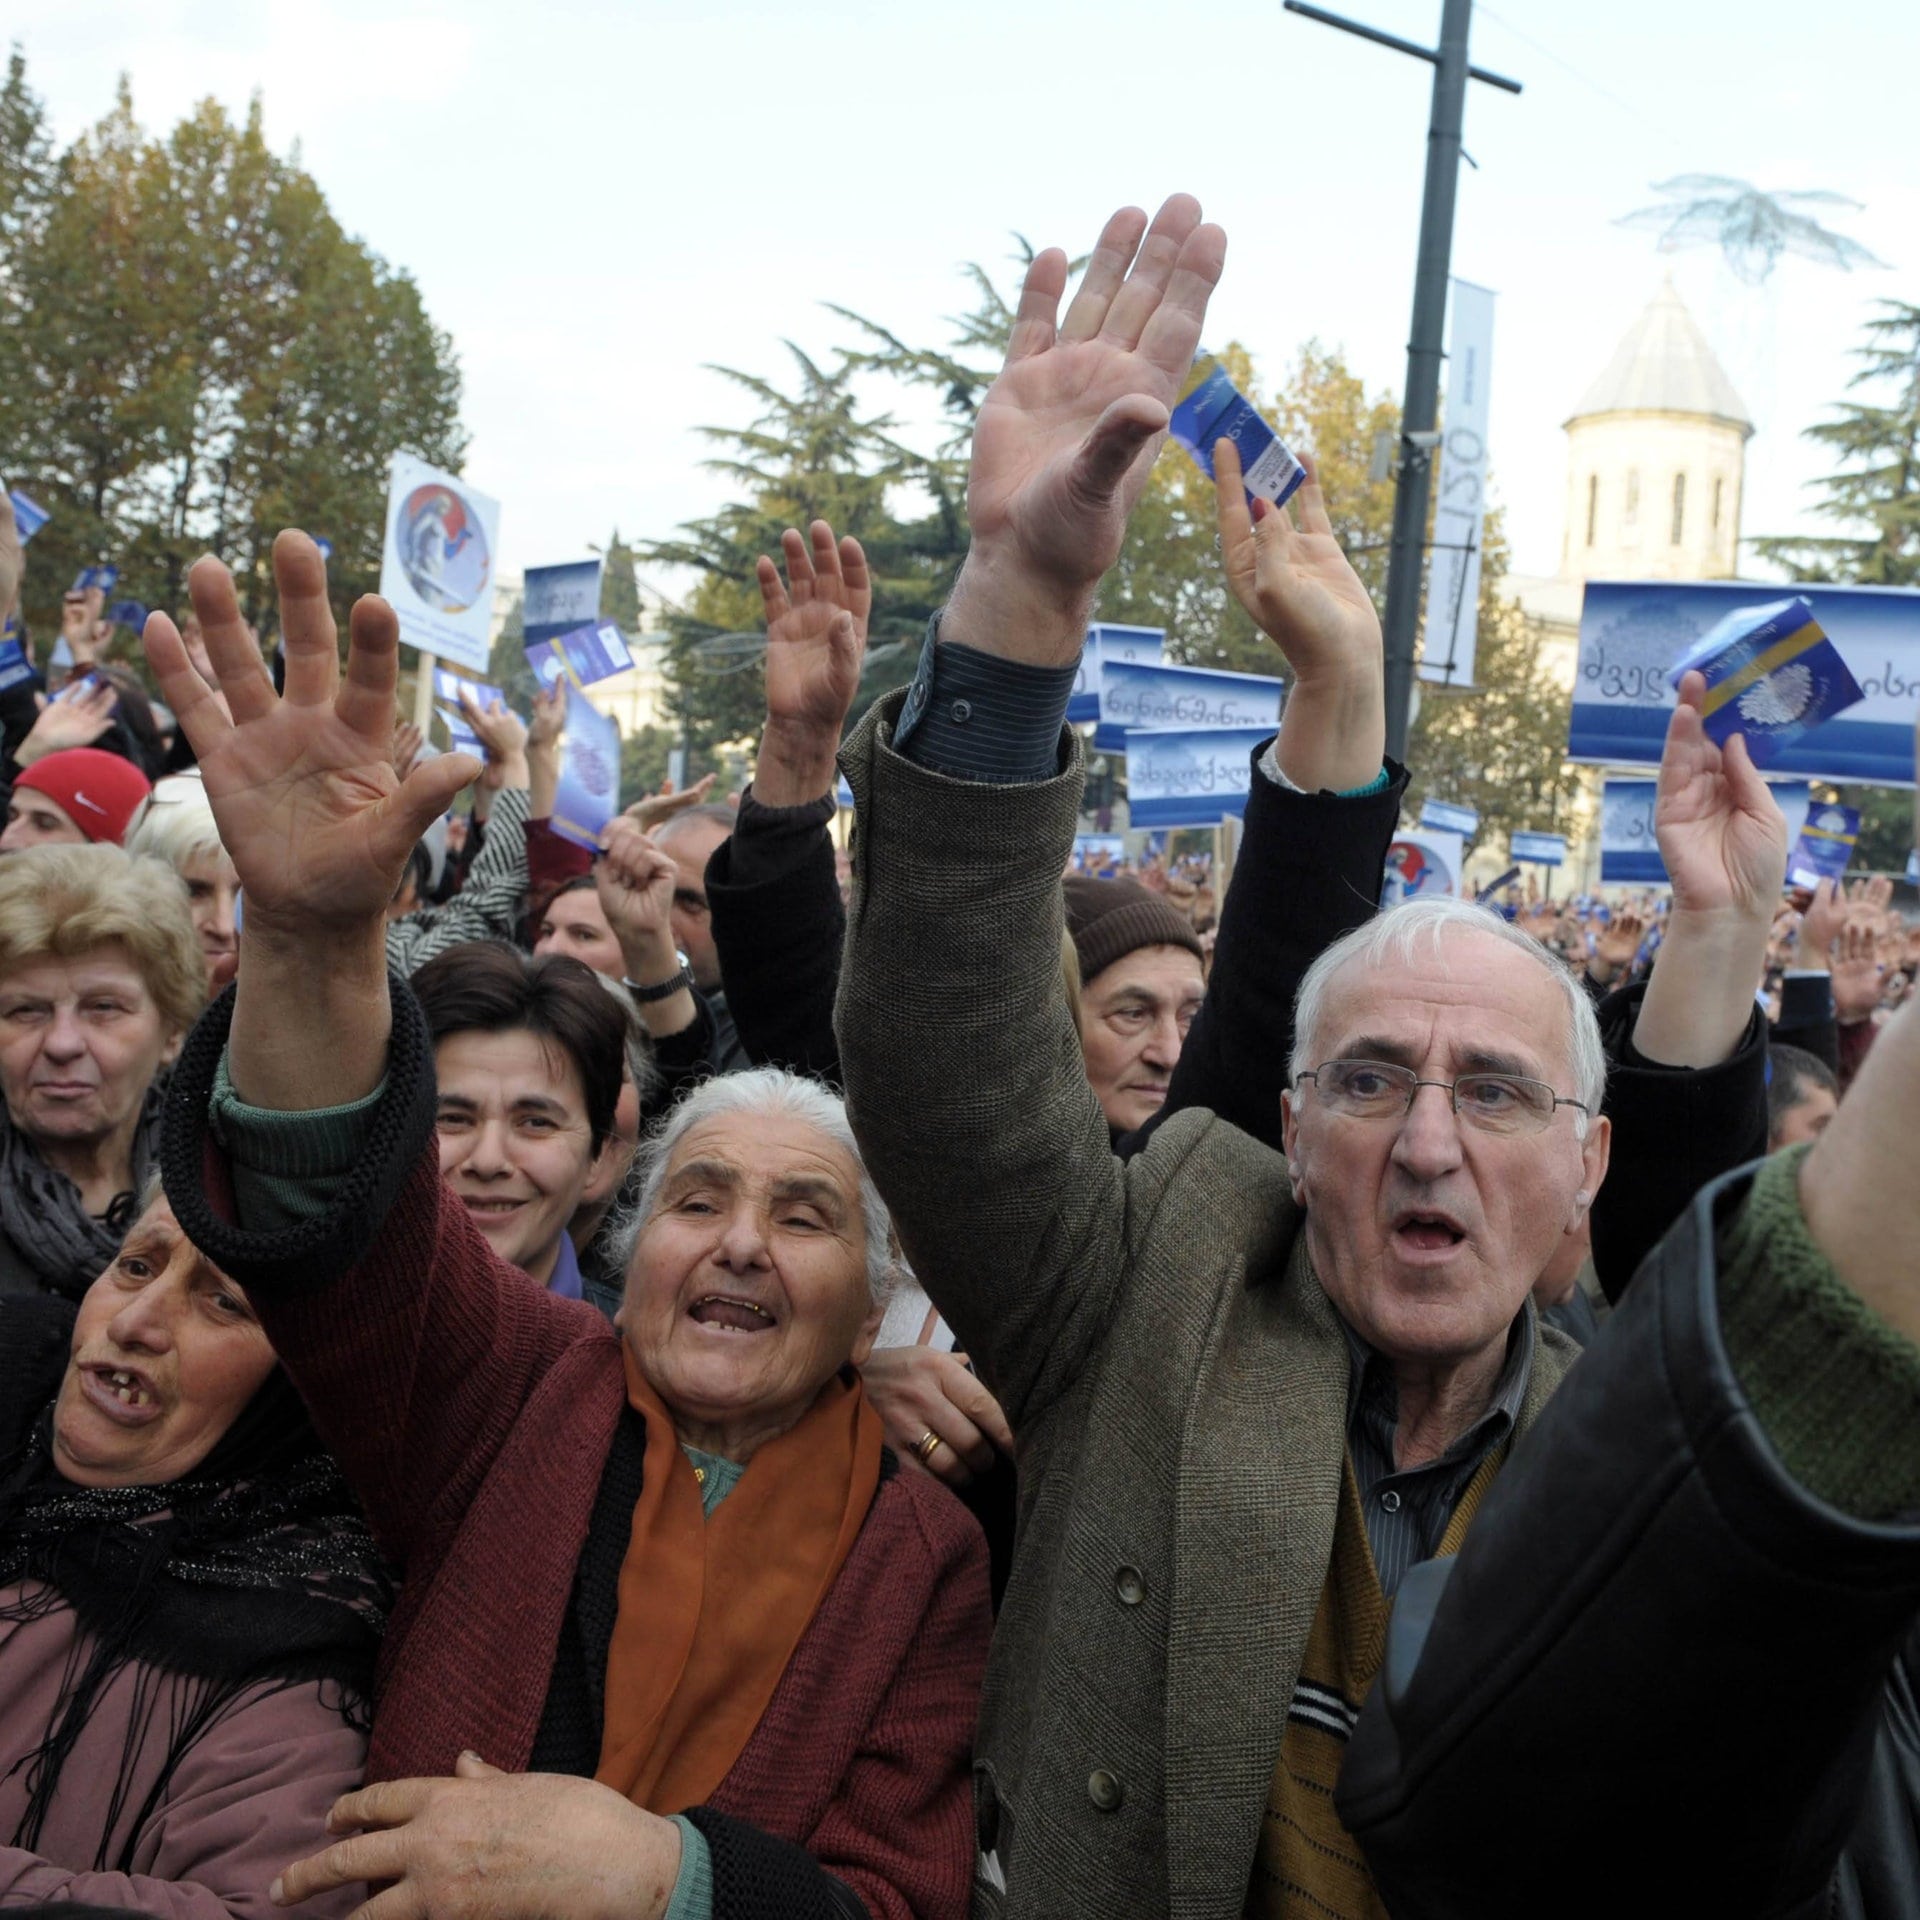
[1308, 1866]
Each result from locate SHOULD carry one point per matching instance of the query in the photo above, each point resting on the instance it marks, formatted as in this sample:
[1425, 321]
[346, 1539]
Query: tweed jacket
[1175, 1376]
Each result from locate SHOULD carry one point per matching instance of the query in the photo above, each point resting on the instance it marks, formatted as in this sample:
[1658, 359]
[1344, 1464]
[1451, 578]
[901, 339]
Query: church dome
[1664, 365]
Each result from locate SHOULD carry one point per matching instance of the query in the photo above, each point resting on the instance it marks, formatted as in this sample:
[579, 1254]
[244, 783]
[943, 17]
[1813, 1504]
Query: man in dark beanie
[1141, 983]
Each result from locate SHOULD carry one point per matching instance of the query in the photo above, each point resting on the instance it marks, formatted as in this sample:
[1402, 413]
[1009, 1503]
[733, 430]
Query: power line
[1586, 79]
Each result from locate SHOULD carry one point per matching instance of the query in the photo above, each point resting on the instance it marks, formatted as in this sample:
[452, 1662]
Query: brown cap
[1108, 918]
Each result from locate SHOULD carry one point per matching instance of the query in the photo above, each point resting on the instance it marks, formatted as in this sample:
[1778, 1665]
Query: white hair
[774, 1092]
[175, 822]
[1416, 930]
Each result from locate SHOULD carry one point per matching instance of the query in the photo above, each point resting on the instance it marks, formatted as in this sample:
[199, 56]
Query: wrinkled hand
[917, 1391]
[635, 881]
[487, 1845]
[653, 809]
[1067, 434]
[310, 811]
[1857, 977]
[1721, 833]
[78, 722]
[407, 742]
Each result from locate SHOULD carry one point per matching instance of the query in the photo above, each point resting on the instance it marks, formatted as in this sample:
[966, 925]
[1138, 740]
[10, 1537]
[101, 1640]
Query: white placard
[1460, 504]
[437, 570]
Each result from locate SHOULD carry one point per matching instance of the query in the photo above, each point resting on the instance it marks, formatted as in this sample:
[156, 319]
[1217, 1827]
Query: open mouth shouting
[1424, 1235]
[728, 1313]
[123, 1394]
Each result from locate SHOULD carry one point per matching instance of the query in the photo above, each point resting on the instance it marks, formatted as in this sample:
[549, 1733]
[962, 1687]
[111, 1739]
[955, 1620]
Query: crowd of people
[705, 1380]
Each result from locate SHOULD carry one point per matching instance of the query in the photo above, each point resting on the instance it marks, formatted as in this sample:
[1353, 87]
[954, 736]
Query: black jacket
[1654, 1637]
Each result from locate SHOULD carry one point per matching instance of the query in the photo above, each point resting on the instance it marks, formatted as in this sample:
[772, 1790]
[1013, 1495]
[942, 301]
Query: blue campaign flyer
[1824, 850]
[448, 686]
[14, 665]
[589, 774]
[102, 577]
[593, 652]
[28, 516]
[555, 600]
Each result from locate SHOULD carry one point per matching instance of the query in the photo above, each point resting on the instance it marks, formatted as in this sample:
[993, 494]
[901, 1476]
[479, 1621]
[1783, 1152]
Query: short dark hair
[716, 813]
[1792, 1074]
[577, 883]
[487, 987]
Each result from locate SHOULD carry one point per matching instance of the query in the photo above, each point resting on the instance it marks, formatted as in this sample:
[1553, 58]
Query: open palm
[816, 629]
[1721, 833]
[317, 823]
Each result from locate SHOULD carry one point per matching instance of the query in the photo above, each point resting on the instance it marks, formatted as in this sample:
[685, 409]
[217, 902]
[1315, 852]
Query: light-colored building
[1656, 469]
[634, 699]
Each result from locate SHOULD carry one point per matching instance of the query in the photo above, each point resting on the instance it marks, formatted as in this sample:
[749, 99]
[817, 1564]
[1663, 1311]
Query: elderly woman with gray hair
[676, 1636]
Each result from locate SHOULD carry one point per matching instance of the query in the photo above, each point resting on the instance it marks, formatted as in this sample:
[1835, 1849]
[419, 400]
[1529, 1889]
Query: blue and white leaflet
[460, 734]
[1449, 816]
[128, 613]
[1538, 849]
[1135, 646]
[29, 516]
[1099, 855]
[1212, 409]
[1184, 697]
[555, 600]
[589, 774]
[1824, 850]
[1629, 851]
[103, 577]
[1428, 861]
[448, 686]
[438, 562]
[1190, 776]
[1631, 633]
[1452, 625]
[596, 651]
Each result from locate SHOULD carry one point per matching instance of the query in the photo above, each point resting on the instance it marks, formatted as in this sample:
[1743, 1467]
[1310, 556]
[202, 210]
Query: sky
[600, 199]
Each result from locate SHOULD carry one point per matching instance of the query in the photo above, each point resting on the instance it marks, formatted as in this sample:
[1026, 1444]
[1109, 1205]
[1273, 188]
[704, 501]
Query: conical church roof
[1664, 365]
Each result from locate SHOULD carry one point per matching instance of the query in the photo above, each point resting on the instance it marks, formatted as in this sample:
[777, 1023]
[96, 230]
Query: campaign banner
[1538, 849]
[28, 515]
[1452, 624]
[448, 686]
[1131, 646]
[1824, 850]
[1099, 855]
[1182, 698]
[1629, 850]
[555, 600]
[1428, 861]
[15, 667]
[1449, 816]
[437, 566]
[1190, 776]
[589, 653]
[589, 774]
[1632, 632]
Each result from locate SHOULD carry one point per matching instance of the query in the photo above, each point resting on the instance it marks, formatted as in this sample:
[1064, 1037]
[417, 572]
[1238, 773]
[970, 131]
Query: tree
[196, 355]
[1876, 489]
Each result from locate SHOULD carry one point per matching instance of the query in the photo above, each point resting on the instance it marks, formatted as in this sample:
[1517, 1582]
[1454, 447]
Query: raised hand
[549, 717]
[78, 722]
[504, 736]
[816, 640]
[1820, 926]
[1723, 837]
[1067, 434]
[81, 626]
[1857, 975]
[1619, 941]
[655, 809]
[310, 810]
[1300, 591]
[635, 881]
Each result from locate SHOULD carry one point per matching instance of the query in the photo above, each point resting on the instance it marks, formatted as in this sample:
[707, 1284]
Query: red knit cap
[100, 791]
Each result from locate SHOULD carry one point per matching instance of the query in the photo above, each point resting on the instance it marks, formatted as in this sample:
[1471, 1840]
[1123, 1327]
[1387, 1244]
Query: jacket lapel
[1258, 1488]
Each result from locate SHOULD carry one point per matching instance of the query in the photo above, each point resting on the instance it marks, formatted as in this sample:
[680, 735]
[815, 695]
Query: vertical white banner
[1460, 498]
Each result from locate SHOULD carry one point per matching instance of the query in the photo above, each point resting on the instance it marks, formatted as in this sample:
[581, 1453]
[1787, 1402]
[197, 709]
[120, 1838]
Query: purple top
[565, 1278]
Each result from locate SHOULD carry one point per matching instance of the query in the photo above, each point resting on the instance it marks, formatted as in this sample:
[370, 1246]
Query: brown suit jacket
[1176, 1377]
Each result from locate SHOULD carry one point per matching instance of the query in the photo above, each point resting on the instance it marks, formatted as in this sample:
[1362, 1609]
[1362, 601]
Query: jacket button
[1104, 1790]
[1129, 1588]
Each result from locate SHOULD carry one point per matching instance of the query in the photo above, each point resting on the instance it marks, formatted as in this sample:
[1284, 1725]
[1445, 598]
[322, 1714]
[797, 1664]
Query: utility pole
[1419, 411]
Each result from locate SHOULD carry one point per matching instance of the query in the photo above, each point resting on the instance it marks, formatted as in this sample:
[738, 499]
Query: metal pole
[1425, 350]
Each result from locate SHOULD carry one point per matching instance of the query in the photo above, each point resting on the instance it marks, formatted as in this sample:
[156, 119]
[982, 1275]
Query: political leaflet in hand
[1825, 847]
[88, 578]
[593, 652]
[28, 515]
[1212, 409]
[1772, 674]
[555, 600]
[589, 774]
[448, 686]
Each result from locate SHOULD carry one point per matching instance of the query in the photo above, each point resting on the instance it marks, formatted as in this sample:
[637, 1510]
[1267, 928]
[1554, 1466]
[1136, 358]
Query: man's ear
[1596, 1150]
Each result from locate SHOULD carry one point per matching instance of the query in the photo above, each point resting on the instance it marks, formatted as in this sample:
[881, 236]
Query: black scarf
[257, 1568]
[42, 1213]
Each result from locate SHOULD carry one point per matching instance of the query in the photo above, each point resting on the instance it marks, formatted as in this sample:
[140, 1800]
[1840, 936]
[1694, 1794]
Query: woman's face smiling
[166, 1353]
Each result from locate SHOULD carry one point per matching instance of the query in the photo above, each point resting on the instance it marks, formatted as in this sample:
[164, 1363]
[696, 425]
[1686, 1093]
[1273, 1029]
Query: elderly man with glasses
[1249, 1390]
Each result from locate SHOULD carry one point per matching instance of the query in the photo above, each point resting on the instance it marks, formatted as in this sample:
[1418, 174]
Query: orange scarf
[711, 1610]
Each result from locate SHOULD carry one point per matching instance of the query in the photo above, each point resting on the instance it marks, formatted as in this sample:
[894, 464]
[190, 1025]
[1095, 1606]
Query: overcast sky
[599, 198]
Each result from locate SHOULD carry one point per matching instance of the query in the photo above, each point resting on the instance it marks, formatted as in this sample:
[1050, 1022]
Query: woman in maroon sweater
[676, 1561]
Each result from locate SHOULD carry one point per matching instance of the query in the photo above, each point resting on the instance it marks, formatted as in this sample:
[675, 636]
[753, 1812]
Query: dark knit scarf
[256, 1569]
[42, 1213]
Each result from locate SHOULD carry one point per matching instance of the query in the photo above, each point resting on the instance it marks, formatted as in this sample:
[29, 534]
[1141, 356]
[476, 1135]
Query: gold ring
[926, 1446]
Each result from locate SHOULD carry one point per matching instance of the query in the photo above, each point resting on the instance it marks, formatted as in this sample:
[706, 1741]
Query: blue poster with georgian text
[1190, 776]
[556, 599]
[1134, 646]
[1181, 697]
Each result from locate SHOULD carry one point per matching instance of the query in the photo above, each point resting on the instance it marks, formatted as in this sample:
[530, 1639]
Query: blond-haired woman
[100, 977]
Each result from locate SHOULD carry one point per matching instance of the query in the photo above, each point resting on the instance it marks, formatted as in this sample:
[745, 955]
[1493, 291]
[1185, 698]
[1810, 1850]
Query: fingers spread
[194, 703]
[773, 590]
[1235, 518]
[1040, 295]
[306, 622]
[1106, 268]
[373, 670]
[1118, 437]
[1311, 501]
[1134, 305]
[1171, 334]
[799, 566]
[236, 660]
[826, 558]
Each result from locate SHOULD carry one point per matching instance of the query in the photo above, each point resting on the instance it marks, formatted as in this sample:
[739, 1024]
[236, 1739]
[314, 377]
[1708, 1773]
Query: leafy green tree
[196, 355]
[1876, 488]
